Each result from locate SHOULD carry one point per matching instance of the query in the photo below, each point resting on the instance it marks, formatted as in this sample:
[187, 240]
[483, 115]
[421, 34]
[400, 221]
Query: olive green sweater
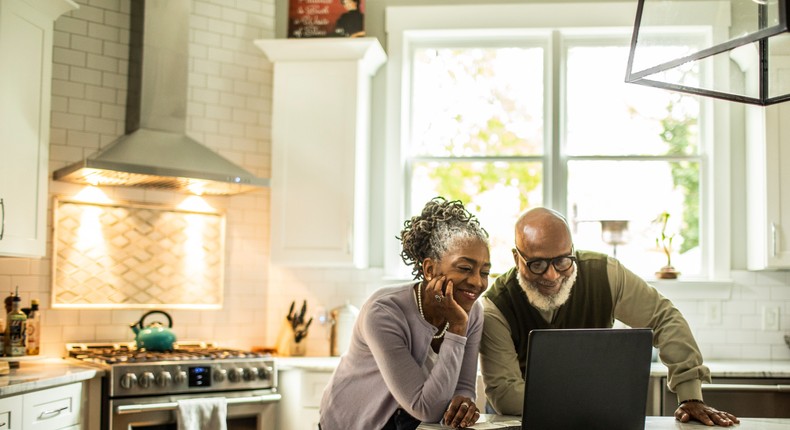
[632, 301]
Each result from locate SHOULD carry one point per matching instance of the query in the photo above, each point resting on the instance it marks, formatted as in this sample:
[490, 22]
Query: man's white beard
[547, 302]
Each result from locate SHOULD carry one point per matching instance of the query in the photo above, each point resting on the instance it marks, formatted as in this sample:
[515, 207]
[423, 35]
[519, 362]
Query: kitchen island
[503, 422]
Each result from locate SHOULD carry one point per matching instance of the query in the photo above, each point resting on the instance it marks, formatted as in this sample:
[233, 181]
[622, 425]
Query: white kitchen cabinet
[768, 185]
[11, 413]
[302, 390]
[320, 146]
[26, 29]
[50, 409]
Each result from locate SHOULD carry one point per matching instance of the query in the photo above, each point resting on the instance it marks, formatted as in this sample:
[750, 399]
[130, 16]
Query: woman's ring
[438, 298]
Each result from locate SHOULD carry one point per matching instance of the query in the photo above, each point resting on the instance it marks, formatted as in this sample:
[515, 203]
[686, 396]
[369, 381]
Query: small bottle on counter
[33, 329]
[16, 326]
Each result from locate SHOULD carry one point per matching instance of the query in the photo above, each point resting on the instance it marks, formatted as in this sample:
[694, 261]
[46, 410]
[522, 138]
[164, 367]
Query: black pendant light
[736, 50]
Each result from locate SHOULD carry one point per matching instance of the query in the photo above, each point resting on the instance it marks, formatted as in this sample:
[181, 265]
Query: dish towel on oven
[208, 413]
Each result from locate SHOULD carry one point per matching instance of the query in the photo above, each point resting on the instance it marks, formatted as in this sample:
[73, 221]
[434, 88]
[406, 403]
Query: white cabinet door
[298, 409]
[768, 183]
[54, 408]
[26, 28]
[320, 139]
[11, 413]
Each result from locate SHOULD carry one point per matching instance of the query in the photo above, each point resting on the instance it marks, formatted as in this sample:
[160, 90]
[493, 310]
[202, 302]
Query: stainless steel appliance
[141, 389]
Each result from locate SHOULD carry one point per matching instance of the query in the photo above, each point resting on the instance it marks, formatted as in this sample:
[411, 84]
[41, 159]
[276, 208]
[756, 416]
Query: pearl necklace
[419, 306]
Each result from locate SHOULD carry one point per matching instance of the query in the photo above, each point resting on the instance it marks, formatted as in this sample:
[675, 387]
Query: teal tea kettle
[154, 337]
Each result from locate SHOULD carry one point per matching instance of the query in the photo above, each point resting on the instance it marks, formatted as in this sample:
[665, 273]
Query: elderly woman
[413, 353]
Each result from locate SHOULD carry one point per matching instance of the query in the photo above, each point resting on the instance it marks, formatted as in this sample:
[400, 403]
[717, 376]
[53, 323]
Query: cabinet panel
[26, 29]
[52, 409]
[11, 413]
[768, 187]
[298, 409]
[320, 140]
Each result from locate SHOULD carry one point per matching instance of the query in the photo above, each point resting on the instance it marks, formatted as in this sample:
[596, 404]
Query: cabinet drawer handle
[776, 388]
[51, 413]
[2, 220]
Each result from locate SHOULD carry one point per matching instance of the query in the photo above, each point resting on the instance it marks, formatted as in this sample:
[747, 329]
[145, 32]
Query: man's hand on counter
[705, 414]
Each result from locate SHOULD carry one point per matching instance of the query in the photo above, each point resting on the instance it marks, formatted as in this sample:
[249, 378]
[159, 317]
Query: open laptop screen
[587, 379]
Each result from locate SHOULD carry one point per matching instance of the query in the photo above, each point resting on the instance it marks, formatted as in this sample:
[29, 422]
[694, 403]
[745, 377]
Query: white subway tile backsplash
[66, 120]
[90, 14]
[102, 63]
[99, 125]
[71, 25]
[110, 4]
[104, 32]
[101, 94]
[118, 50]
[86, 44]
[69, 56]
[85, 76]
[84, 107]
[770, 278]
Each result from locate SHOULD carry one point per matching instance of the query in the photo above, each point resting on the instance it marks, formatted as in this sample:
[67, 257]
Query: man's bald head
[543, 232]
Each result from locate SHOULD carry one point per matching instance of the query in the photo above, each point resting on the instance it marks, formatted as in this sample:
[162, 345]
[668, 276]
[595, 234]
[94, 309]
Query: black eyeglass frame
[552, 261]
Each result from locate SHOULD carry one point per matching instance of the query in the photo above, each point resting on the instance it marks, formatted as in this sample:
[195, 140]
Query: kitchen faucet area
[198, 198]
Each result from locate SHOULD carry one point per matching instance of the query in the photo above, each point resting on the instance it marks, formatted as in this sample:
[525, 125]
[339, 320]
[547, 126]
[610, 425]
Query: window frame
[410, 27]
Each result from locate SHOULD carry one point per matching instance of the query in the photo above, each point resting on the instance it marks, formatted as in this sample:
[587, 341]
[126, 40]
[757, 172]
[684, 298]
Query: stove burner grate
[127, 353]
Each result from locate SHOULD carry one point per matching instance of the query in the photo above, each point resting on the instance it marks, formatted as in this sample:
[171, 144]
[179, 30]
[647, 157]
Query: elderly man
[553, 286]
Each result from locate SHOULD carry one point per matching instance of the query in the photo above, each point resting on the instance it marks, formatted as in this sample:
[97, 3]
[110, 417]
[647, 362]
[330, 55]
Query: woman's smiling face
[468, 265]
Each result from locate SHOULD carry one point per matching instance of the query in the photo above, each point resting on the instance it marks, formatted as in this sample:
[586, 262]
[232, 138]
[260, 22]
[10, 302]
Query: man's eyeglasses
[539, 266]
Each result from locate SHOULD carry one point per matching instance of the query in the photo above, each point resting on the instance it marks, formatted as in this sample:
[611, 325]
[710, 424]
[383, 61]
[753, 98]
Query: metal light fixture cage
[737, 50]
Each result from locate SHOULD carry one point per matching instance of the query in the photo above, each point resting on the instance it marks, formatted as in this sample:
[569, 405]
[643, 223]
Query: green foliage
[664, 241]
[678, 132]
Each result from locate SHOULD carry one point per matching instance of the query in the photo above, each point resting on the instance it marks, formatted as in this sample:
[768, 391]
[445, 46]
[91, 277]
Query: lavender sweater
[383, 367]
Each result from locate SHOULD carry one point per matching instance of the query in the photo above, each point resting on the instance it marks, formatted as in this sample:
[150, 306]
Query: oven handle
[171, 406]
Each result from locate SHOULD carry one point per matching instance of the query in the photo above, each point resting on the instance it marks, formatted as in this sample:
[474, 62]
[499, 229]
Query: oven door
[247, 410]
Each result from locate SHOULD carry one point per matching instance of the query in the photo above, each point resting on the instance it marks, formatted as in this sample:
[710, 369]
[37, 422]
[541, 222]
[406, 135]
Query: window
[507, 120]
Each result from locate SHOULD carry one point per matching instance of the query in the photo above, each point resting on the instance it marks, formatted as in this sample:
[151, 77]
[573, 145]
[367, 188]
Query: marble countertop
[738, 368]
[318, 364]
[35, 373]
[718, 368]
[651, 423]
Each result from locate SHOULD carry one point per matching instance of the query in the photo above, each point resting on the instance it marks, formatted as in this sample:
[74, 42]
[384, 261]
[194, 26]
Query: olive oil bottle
[33, 329]
[16, 328]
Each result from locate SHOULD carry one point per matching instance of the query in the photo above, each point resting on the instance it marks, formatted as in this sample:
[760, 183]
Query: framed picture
[326, 18]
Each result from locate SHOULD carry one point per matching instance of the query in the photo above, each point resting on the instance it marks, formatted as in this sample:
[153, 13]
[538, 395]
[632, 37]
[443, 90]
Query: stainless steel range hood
[155, 152]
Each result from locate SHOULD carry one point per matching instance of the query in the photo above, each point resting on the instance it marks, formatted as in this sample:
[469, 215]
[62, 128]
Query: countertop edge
[43, 374]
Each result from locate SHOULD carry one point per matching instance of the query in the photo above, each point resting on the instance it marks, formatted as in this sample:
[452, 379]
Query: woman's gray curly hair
[430, 234]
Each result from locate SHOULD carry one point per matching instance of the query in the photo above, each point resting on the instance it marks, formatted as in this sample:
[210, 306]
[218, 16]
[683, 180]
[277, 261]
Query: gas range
[191, 367]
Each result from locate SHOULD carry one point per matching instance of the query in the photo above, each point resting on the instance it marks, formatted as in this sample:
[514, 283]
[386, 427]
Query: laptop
[587, 379]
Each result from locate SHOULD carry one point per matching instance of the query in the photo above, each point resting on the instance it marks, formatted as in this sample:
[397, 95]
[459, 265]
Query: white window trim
[403, 23]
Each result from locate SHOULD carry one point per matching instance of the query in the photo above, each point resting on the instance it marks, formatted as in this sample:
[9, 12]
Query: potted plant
[664, 241]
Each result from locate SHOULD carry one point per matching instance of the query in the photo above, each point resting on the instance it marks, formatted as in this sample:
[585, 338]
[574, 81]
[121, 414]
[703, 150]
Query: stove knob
[250, 374]
[235, 375]
[181, 377]
[265, 372]
[128, 380]
[163, 379]
[219, 375]
[146, 379]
